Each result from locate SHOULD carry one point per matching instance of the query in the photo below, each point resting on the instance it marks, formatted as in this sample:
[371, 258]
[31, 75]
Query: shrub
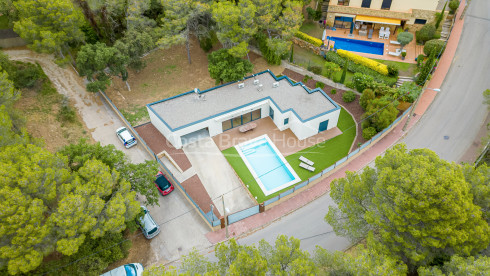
[313, 40]
[331, 68]
[404, 38]
[307, 78]
[333, 91]
[66, 112]
[426, 33]
[367, 96]
[426, 69]
[344, 72]
[404, 54]
[409, 91]
[362, 82]
[291, 57]
[392, 70]
[453, 5]
[47, 89]
[440, 16]
[380, 113]
[350, 85]
[206, 44]
[358, 68]
[420, 60]
[348, 96]
[320, 84]
[273, 49]
[315, 69]
[368, 133]
[434, 45]
[369, 63]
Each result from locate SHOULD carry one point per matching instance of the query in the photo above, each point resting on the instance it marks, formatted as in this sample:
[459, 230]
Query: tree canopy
[412, 206]
[224, 67]
[49, 26]
[47, 206]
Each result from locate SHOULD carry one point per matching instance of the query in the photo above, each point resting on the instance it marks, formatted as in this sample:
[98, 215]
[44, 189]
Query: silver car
[134, 269]
[149, 227]
[126, 137]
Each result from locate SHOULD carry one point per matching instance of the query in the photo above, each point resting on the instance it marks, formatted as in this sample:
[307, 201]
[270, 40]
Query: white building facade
[211, 112]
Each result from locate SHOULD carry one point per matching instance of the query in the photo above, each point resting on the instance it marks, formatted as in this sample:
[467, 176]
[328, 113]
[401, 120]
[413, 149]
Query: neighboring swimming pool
[267, 165]
[358, 45]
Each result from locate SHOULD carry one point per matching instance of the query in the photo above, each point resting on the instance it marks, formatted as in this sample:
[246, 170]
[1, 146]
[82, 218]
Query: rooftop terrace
[188, 108]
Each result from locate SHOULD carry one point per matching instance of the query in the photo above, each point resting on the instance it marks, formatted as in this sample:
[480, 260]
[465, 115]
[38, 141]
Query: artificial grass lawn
[323, 154]
[312, 28]
[4, 22]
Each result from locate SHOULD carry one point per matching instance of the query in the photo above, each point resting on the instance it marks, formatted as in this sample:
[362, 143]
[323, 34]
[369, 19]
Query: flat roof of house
[191, 107]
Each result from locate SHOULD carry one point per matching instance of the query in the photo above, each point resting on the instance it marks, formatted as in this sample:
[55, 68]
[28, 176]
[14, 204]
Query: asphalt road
[458, 112]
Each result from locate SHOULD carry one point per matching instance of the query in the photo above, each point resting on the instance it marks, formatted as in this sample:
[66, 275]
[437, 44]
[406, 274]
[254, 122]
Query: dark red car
[163, 185]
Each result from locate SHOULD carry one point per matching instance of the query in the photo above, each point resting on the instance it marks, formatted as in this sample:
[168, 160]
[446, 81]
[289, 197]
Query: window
[226, 125]
[366, 3]
[343, 2]
[286, 121]
[246, 118]
[386, 5]
[256, 114]
[237, 121]
[420, 21]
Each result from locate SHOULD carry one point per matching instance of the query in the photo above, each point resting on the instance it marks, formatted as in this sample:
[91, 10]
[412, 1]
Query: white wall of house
[215, 126]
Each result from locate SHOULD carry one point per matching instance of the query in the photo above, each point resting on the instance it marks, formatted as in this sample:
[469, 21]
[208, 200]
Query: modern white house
[211, 112]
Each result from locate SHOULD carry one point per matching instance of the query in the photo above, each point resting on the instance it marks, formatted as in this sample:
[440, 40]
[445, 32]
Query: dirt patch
[140, 252]
[168, 73]
[41, 114]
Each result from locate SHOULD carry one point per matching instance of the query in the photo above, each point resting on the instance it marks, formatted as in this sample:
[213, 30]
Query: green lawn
[406, 69]
[4, 22]
[306, 58]
[324, 155]
[313, 29]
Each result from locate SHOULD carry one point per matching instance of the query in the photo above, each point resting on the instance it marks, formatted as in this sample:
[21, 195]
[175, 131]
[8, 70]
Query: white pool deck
[254, 174]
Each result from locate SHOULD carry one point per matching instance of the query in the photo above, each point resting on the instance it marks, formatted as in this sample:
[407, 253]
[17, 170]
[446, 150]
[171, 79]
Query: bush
[368, 133]
[344, 72]
[350, 85]
[434, 45]
[333, 91]
[362, 82]
[348, 96]
[426, 33]
[369, 63]
[331, 68]
[273, 50]
[426, 69]
[440, 16]
[453, 6]
[320, 85]
[66, 112]
[358, 68]
[380, 113]
[392, 70]
[315, 69]
[307, 78]
[366, 97]
[409, 91]
[313, 40]
[206, 44]
[47, 89]
[420, 60]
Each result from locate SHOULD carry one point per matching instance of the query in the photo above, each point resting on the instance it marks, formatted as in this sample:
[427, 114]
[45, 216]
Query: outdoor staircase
[325, 9]
[446, 29]
[402, 79]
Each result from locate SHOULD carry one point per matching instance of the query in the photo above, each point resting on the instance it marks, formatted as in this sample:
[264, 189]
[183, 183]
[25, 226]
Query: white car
[126, 137]
[134, 269]
[149, 227]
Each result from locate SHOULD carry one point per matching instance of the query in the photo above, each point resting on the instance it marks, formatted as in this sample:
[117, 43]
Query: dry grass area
[41, 114]
[168, 73]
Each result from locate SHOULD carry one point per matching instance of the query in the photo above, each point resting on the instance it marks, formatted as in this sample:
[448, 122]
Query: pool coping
[281, 157]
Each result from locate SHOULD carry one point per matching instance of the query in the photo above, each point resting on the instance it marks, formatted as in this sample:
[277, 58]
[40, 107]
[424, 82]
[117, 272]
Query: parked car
[134, 269]
[126, 137]
[149, 227]
[163, 185]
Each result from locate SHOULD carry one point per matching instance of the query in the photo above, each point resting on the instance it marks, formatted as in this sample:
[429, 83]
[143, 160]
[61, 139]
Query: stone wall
[12, 42]
[303, 44]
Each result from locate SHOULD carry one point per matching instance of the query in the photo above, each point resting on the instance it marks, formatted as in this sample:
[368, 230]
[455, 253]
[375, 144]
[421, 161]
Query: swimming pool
[267, 165]
[358, 45]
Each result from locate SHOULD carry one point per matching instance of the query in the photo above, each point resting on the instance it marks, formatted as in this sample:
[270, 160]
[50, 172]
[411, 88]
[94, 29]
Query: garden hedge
[369, 63]
[313, 40]
[358, 68]
[434, 45]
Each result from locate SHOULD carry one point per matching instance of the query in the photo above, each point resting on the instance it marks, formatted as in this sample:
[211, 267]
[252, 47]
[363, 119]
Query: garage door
[194, 136]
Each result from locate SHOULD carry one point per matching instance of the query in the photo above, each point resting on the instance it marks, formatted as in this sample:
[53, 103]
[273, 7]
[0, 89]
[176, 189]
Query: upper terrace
[189, 108]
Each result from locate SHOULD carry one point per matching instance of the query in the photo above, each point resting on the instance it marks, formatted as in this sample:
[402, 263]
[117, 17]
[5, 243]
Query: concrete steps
[402, 79]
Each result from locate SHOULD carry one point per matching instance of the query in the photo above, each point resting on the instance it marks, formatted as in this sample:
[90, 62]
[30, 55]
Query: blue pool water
[268, 166]
[358, 45]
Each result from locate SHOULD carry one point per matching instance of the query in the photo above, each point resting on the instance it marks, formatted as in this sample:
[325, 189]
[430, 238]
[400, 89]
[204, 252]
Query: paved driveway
[182, 227]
